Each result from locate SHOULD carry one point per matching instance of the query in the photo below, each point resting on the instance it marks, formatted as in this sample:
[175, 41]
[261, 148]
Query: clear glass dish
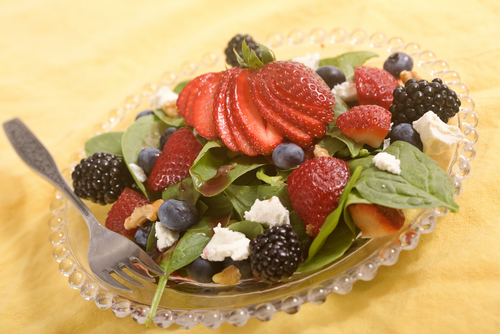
[186, 303]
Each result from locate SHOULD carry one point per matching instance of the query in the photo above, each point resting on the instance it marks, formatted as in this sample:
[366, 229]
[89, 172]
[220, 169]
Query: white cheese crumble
[162, 96]
[166, 237]
[346, 91]
[270, 212]
[226, 243]
[436, 135]
[387, 162]
[138, 172]
[310, 60]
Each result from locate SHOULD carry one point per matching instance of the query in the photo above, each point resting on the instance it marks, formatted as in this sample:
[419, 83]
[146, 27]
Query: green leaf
[421, 184]
[299, 229]
[180, 86]
[331, 144]
[182, 191]
[277, 180]
[248, 228]
[110, 142]
[332, 219]
[267, 54]
[245, 50]
[176, 121]
[217, 205]
[188, 249]
[339, 108]
[353, 147]
[151, 239]
[347, 62]
[145, 132]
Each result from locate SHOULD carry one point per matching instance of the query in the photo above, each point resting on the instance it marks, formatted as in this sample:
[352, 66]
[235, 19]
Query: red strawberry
[264, 136]
[315, 188]
[122, 209]
[178, 155]
[300, 87]
[374, 86]
[375, 220]
[203, 106]
[186, 98]
[368, 124]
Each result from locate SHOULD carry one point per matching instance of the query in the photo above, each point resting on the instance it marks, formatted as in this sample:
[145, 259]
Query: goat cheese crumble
[387, 162]
[166, 237]
[226, 243]
[270, 212]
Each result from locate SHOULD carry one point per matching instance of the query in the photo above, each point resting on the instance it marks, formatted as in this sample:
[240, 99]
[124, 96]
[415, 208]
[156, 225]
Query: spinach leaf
[331, 144]
[421, 184]
[176, 121]
[248, 228]
[299, 229]
[217, 205]
[347, 62]
[151, 239]
[334, 132]
[339, 108]
[182, 191]
[145, 132]
[180, 86]
[110, 142]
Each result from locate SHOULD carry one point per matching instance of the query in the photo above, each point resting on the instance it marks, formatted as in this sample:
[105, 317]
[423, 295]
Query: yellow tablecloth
[65, 64]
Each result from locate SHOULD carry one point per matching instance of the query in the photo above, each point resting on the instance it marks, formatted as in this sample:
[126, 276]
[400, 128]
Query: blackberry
[418, 97]
[101, 178]
[275, 253]
[235, 43]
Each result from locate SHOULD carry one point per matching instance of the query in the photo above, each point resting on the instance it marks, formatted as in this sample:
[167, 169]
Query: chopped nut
[407, 75]
[310, 230]
[170, 108]
[320, 151]
[142, 214]
[229, 276]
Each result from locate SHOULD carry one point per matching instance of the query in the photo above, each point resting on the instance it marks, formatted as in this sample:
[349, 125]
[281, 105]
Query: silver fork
[109, 252]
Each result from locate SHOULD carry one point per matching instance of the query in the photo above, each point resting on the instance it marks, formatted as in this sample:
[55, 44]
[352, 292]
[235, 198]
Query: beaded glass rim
[342, 283]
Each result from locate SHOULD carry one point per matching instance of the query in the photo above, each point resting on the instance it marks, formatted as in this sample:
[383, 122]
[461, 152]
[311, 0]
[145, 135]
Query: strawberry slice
[186, 99]
[203, 106]
[367, 124]
[376, 220]
[311, 125]
[293, 133]
[173, 163]
[122, 209]
[300, 87]
[220, 109]
[374, 86]
[263, 136]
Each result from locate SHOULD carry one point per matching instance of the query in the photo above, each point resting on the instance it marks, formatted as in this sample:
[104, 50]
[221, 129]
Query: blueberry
[332, 75]
[406, 132]
[147, 158]
[165, 136]
[398, 62]
[202, 270]
[288, 155]
[142, 235]
[243, 266]
[177, 215]
[144, 113]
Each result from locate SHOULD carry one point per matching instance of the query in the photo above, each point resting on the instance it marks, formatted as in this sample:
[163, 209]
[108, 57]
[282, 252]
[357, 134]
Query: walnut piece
[142, 214]
[229, 276]
[320, 151]
[407, 75]
[170, 108]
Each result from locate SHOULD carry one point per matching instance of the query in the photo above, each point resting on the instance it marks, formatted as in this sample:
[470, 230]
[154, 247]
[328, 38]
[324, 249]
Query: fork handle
[36, 156]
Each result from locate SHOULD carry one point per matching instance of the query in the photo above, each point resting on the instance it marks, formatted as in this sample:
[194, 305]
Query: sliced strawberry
[374, 86]
[293, 133]
[173, 163]
[300, 87]
[220, 109]
[376, 220]
[203, 106]
[122, 209]
[263, 136]
[186, 98]
[315, 188]
[308, 124]
[367, 124]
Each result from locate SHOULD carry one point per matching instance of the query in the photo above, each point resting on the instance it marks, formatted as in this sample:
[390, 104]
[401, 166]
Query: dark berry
[202, 270]
[418, 97]
[332, 75]
[142, 235]
[288, 155]
[243, 266]
[147, 158]
[275, 253]
[165, 135]
[144, 113]
[398, 62]
[407, 133]
[177, 215]
[101, 178]
[235, 44]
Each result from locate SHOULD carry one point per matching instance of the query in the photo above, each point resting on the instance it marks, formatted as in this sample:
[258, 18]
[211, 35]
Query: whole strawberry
[374, 86]
[315, 188]
[178, 155]
[122, 209]
[367, 124]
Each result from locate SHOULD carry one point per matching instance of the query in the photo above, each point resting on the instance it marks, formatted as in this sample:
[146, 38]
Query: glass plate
[186, 303]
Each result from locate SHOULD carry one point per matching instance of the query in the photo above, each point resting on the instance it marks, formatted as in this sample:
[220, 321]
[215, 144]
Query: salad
[271, 168]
